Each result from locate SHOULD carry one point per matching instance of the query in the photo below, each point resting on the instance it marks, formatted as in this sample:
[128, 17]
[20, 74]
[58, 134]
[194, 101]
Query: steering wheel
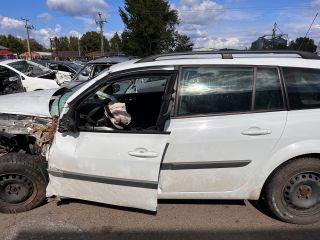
[93, 114]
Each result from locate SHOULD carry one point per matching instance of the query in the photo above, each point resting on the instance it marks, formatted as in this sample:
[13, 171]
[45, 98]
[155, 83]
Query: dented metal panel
[28, 103]
[113, 168]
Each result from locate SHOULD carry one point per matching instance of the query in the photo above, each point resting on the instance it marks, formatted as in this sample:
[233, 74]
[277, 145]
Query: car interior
[141, 96]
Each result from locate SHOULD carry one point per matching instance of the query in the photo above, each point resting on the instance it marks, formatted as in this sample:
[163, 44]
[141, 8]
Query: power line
[100, 23]
[314, 19]
[28, 27]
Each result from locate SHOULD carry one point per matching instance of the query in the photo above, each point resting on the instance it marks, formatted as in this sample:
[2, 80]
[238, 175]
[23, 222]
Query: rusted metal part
[42, 129]
[44, 134]
[18, 124]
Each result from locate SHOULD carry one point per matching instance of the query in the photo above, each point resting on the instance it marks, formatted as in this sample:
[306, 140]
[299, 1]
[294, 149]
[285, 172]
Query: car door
[111, 165]
[224, 133]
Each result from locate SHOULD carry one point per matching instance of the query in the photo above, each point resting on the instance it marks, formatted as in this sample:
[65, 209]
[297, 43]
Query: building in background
[271, 41]
[6, 54]
[37, 55]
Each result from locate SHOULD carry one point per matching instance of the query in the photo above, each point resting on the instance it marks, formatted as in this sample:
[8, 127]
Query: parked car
[198, 125]
[95, 67]
[22, 74]
[62, 66]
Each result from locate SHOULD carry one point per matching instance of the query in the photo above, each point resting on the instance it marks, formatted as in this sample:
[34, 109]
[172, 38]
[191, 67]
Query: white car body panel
[27, 103]
[214, 139]
[108, 158]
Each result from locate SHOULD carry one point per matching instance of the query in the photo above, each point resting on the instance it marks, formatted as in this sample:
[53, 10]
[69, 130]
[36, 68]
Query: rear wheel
[293, 192]
[23, 182]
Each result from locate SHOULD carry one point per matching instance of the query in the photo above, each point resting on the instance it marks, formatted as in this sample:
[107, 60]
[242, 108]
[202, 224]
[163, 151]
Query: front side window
[215, 90]
[303, 87]
[130, 104]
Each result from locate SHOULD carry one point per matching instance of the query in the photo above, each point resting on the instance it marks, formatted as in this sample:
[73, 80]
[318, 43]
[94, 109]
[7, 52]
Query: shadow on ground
[67, 201]
[106, 234]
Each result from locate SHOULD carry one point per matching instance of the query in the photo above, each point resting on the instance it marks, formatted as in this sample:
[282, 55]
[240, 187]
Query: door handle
[143, 153]
[256, 132]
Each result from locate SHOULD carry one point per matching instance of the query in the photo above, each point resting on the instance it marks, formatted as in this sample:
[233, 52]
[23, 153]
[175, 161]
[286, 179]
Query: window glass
[268, 90]
[63, 68]
[214, 90]
[98, 69]
[303, 86]
[141, 96]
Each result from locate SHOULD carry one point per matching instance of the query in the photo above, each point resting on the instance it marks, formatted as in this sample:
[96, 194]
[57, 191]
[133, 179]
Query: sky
[209, 23]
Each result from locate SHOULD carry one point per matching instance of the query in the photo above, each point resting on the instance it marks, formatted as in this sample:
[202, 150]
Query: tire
[293, 192]
[23, 181]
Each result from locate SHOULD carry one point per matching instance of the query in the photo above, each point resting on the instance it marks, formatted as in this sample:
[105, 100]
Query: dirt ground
[73, 219]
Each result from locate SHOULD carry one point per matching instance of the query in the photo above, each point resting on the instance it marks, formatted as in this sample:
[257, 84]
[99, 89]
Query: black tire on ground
[23, 181]
[292, 193]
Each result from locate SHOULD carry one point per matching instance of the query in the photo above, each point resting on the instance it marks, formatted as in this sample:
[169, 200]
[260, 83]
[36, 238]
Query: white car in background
[22, 74]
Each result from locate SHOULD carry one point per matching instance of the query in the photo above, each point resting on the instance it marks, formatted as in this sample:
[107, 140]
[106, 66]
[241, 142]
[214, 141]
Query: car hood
[28, 103]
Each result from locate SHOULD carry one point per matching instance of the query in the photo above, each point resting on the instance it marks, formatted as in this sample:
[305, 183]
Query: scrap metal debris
[44, 133]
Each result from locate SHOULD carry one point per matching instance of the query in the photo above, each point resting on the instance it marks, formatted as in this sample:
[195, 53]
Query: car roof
[236, 58]
[107, 60]
[5, 62]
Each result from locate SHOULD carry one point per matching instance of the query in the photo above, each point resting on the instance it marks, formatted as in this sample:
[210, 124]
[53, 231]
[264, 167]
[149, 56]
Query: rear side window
[268, 95]
[303, 87]
[215, 90]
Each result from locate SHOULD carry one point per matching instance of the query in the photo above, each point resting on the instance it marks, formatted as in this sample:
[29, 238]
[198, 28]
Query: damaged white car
[22, 75]
[206, 125]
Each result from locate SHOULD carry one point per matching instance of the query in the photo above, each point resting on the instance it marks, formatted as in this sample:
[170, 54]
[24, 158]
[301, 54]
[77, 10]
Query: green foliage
[149, 27]
[34, 45]
[182, 43]
[61, 43]
[304, 43]
[73, 43]
[18, 45]
[90, 42]
[116, 43]
[13, 43]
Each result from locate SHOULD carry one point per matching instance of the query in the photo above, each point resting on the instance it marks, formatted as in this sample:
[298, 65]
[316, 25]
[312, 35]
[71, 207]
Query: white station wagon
[198, 125]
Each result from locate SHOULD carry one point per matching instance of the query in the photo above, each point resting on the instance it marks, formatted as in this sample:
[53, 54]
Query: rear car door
[228, 121]
[111, 165]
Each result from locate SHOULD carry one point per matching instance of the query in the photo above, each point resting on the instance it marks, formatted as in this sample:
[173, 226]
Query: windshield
[28, 68]
[57, 103]
[74, 66]
[83, 74]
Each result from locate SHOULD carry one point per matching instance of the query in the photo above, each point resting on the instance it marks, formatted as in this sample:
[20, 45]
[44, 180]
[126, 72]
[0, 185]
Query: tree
[34, 45]
[13, 43]
[116, 43]
[149, 26]
[73, 43]
[90, 42]
[61, 43]
[182, 43]
[303, 44]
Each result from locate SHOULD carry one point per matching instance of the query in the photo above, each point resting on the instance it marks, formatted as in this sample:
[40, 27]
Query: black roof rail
[228, 54]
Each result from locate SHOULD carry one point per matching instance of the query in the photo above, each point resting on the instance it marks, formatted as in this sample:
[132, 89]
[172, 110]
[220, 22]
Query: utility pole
[307, 33]
[79, 52]
[100, 23]
[28, 27]
[274, 33]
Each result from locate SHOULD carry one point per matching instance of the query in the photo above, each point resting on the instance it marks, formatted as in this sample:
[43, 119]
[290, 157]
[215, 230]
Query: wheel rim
[15, 188]
[302, 192]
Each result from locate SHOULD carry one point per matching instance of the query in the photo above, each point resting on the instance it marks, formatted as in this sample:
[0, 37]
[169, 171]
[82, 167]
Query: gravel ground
[73, 219]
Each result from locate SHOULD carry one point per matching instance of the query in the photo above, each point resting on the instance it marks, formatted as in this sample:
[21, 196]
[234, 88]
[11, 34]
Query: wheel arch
[269, 177]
